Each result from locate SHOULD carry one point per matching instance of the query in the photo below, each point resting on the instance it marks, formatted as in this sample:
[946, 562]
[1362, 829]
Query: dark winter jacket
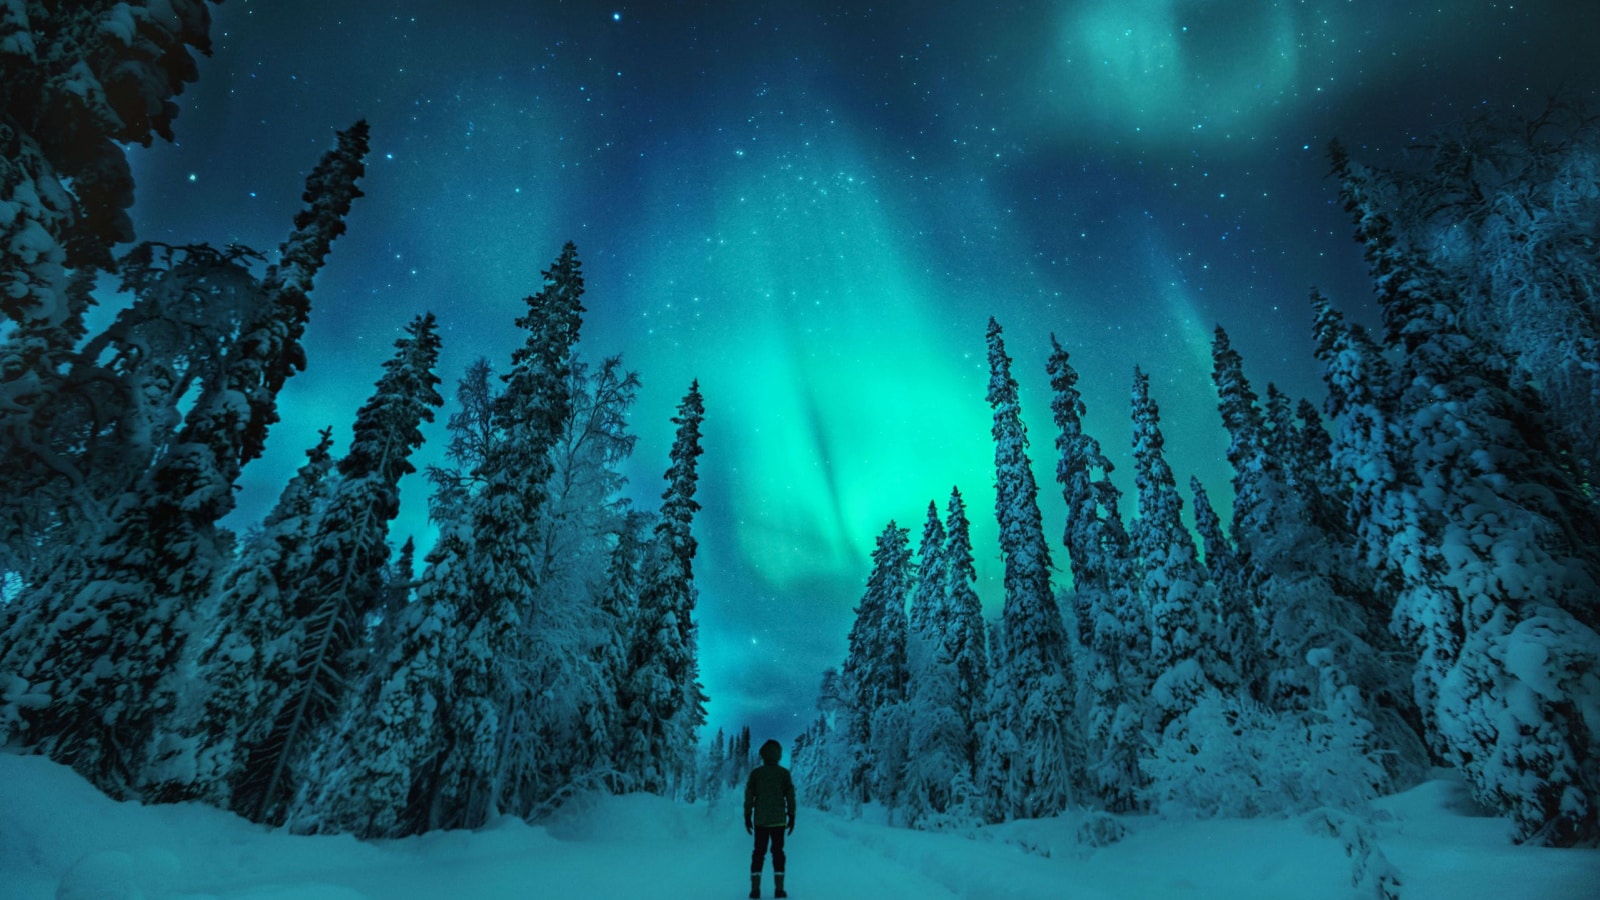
[769, 794]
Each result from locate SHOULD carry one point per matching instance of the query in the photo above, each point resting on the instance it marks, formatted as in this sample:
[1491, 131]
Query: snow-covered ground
[59, 838]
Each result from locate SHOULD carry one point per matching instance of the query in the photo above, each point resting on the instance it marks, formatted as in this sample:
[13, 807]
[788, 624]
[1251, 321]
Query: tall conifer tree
[875, 674]
[965, 639]
[340, 586]
[1172, 586]
[242, 660]
[1495, 552]
[1034, 758]
[664, 703]
[111, 655]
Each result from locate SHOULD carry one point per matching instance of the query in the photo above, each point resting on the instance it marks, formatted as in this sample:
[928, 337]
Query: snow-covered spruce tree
[1364, 460]
[78, 83]
[494, 584]
[663, 703]
[1314, 590]
[330, 191]
[399, 580]
[1503, 203]
[938, 787]
[240, 663]
[116, 407]
[964, 637]
[808, 762]
[1172, 583]
[1232, 654]
[373, 774]
[874, 674]
[1367, 450]
[1112, 633]
[740, 757]
[81, 83]
[1095, 538]
[1293, 433]
[928, 607]
[929, 684]
[1301, 576]
[1033, 755]
[713, 771]
[427, 738]
[618, 610]
[340, 586]
[1496, 553]
[111, 654]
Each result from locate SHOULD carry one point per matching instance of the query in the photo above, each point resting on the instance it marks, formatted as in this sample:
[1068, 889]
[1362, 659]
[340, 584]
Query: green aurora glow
[814, 209]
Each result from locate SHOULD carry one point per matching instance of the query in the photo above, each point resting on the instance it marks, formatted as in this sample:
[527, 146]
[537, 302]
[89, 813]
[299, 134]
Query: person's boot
[777, 879]
[755, 884]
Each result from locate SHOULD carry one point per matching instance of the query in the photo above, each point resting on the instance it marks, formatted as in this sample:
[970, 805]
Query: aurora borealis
[813, 208]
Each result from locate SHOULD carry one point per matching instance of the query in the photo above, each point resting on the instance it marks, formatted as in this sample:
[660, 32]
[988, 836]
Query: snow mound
[628, 817]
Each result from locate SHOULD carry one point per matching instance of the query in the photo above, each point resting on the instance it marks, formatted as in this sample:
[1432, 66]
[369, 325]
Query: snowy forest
[299, 673]
[1407, 575]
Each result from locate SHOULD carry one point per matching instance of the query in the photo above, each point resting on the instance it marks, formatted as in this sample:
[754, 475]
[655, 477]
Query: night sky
[814, 208]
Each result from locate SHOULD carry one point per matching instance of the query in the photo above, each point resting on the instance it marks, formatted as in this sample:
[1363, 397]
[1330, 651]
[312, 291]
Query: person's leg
[763, 836]
[778, 857]
[778, 860]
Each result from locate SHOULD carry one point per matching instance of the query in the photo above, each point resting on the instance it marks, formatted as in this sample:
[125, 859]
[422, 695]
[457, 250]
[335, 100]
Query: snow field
[61, 839]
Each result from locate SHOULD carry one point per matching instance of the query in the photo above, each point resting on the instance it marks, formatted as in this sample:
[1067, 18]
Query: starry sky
[814, 208]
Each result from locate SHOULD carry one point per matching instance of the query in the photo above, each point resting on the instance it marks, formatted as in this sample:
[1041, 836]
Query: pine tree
[1495, 553]
[938, 774]
[928, 597]
[428, 745]
[874, 673]
[619, 608]
[1311, 619]
[489, 573]
[243, 660]
[80, 85]
[1232, 653]
[965, 639]
[111, 655]
[342, 581]
[1173, 583]
[1095, 538]
[1034, 759]
[664, 703]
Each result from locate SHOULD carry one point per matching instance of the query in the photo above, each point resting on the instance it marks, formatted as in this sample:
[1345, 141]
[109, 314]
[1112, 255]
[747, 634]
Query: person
[769, 814]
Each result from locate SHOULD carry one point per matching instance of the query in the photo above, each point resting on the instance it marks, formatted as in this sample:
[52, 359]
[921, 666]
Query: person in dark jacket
[769, 814]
